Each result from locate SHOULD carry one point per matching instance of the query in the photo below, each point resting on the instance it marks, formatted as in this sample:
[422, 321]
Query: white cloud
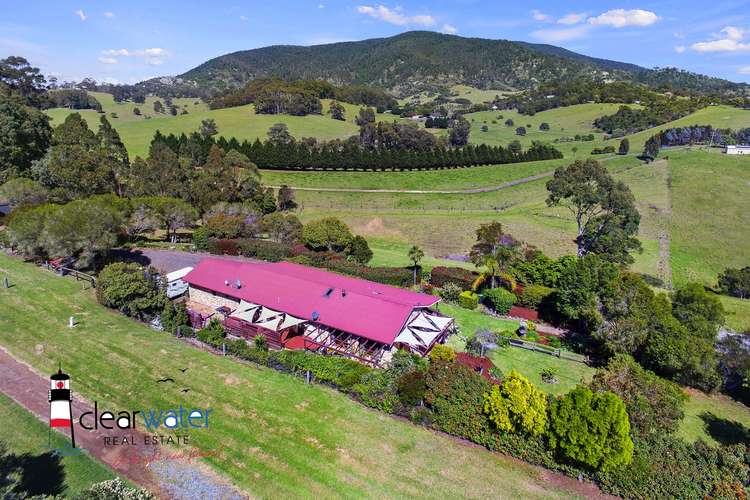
[619, 18]
[395, 16]
[109, 14]
[243, 18]
[321, 6]
[449, 29]
[561, 35]
[573, 18]
[541, 17]
[729, 39]
[153, 56]
[80, 14]
[745, 70]
[679, 49]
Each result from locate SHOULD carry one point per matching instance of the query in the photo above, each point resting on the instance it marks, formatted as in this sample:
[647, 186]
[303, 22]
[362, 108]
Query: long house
[300, 307]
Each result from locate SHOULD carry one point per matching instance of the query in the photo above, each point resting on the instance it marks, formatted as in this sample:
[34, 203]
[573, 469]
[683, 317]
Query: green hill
[407, 61]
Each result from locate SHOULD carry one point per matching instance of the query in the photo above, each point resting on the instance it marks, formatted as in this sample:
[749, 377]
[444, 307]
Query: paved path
[179, 478]
[172, 260]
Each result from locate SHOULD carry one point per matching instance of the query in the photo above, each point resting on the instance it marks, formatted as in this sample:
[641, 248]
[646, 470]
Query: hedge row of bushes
[441, 275]
[259, 249]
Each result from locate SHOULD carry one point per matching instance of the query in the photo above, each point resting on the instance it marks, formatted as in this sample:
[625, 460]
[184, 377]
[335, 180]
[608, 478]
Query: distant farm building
[300, 307]
[732, 149]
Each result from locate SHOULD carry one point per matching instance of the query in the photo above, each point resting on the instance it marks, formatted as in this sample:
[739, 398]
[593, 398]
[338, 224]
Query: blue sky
[130, 41]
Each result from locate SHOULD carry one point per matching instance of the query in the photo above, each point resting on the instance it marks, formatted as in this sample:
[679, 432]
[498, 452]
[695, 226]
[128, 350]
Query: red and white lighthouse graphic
[61, 403]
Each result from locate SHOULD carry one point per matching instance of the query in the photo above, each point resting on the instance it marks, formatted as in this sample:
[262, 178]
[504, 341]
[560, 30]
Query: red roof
[364, 308]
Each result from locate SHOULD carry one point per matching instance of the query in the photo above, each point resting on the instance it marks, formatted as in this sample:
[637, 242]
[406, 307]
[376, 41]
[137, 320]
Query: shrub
[263, 249]
[334, 370]
[507, 281]
[500, 300]
[468, 300]
[549, 375]
[200, 238]
[175, 316]
[377, 389]
[114, 489]
[654, 404]
[212, 334]
[455, 393]
[260, 342]
[518, 406]
[450, 292]
[411, 387]
[359, 251]
[735, 282]
[461, 277]
[130, 289]
[224, 226]
[533, 296]
[223, 247]
[326, 234]
[442, 352]
[591, 429]
[394, 276]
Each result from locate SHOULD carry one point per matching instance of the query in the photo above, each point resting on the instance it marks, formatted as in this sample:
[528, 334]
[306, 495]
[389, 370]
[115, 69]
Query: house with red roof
[301, 307]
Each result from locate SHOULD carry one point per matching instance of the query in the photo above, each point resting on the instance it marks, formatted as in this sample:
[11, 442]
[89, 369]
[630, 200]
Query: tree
[285, 198]
[624, 146]
[25, 229]
[521, 131]
[161, 175]
[337, 111]
[365, 116]
[518, 406]
[279, 134]
[283, 228]
[173, 214]
[137, 111]
[654, 405]
[141, 219]
[509, 122]
[460, 131]
[208, 128]
[416, 254]
[544, 126]
[591, 429]
[22, 79]
[21, 192]
[485, 128]
[131, 289]
[114, 149]
[327, 234]
[494, 249]
[652, 147]
[359, 250]
[604, 209]
[734, 282]
[698, 310]
[214, 181]
[158, 107]
[25, 135]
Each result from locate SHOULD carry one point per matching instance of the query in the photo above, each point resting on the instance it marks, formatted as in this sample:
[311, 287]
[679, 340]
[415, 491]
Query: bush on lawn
[455, 394]
[591, 429]
[175, 316]
[411, 387]
[333, 370]
[450, 292]
[131, 289]
[468, 300]
[442, 352]
[263, 249]
[113, 489]
[459, 276]
[212, 334]
[533, 296]
[518, 406]
[499, 299]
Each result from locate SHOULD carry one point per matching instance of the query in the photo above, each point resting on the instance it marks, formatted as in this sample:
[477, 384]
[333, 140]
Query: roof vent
[238, 284]
[343, 292]
[226, 282]
[315, 315]
[328, 293]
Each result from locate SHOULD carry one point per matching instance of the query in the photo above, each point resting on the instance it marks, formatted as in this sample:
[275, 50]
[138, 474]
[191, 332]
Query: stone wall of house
[210, 299]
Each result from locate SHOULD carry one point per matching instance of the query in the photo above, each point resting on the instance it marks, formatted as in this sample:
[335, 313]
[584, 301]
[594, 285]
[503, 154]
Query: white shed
[176, 286]
[732, 149]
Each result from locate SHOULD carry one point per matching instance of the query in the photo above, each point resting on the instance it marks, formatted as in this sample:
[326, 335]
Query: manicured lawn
[45, 473]
[276, 436]
[737, 313]
[395, 253]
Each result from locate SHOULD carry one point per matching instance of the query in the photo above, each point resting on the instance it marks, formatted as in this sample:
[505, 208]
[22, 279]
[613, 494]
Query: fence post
[178, 332]
[6, 283]
[223, 349]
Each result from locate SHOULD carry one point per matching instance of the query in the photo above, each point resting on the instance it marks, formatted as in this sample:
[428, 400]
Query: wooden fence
[552, 351]
[78, 275]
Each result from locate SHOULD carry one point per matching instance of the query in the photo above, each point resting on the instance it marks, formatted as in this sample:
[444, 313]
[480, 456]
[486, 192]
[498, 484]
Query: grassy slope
[276, 436]
[240, 122]
[22, 433]
[694, 425]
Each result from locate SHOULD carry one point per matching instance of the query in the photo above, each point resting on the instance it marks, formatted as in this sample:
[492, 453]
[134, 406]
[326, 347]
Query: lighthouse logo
[61, 403]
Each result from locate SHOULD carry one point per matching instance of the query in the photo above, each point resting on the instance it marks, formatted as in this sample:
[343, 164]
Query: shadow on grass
[30, 475]
[723, 430]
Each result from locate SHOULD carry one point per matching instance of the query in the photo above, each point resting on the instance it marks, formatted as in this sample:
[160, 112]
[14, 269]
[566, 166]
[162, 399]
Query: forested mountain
[420, 60]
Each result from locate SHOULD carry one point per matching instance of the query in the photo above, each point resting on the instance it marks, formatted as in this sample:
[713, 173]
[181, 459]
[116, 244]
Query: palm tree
[415, 255]
[493, 268]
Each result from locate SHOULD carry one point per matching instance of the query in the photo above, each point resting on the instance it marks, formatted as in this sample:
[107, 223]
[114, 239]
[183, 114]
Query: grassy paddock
[26, 438]
[276, 436]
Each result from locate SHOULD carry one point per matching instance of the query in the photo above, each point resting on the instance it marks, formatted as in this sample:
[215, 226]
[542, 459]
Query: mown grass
[737, 313]
[29, 441]
[709, 417]
[275, 436]
[394, 253]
